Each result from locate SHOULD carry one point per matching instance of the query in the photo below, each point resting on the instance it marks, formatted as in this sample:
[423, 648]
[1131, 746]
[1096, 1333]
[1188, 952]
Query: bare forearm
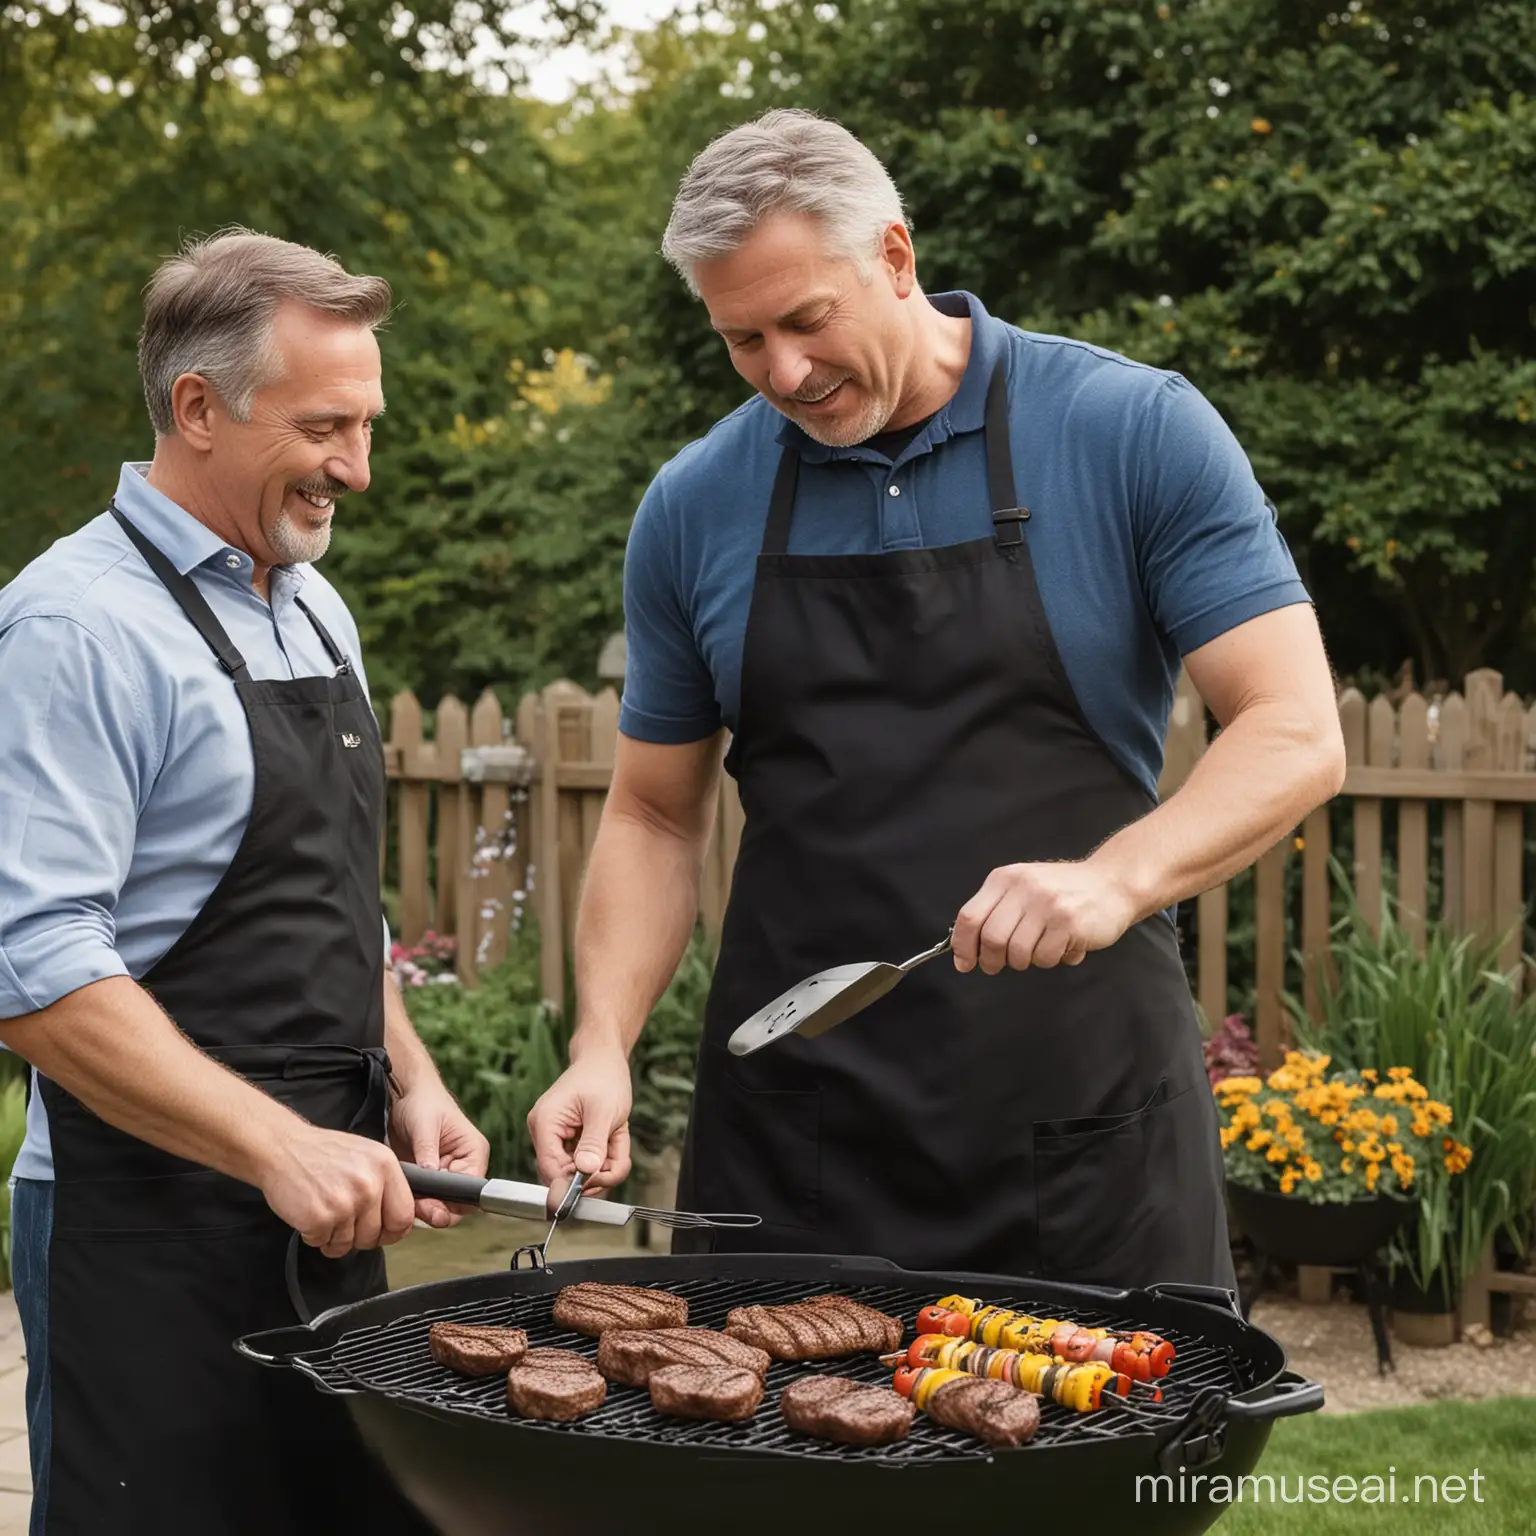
[409, 1060]
[637, 913]
[1256, 781]
[112, 1046]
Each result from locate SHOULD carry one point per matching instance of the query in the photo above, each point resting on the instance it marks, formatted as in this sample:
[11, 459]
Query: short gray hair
[787, 160]
[209, 310]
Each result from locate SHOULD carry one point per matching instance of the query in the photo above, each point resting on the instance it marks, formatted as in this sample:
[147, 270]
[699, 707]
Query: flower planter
[1339, 1235]
[1424, 1318]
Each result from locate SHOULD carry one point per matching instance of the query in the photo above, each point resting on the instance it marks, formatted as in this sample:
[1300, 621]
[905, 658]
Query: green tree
[1323, 213]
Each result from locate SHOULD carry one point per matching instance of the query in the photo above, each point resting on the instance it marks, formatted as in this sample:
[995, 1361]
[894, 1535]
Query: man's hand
[337, 1190]
[1041, 914]
[427, 1127]
[582, 1122]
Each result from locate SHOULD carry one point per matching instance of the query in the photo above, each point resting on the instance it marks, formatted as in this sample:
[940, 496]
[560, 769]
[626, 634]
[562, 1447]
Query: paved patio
[15, 1475]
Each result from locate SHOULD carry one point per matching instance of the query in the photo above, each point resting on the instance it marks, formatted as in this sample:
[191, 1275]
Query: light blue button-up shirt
[126, 772]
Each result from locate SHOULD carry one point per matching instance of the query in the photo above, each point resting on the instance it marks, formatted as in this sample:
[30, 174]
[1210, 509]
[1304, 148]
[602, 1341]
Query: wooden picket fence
[1463, 767]
[492, 812]
[476, 835]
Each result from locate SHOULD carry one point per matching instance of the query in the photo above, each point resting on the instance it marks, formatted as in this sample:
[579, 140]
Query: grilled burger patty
[593, 1309]
[555, 1384]
[992, 1411]
[628, 1357]
[837, 1408]
[723, 1392]
[472, 1350]
[819, 1329]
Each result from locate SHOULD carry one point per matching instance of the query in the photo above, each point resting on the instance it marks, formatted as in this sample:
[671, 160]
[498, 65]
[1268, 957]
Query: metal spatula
[814, 1005]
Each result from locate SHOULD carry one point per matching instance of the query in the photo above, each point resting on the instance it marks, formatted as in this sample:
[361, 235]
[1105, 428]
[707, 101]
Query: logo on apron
[349, 740]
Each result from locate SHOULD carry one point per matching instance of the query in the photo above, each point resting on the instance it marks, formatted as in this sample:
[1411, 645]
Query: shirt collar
[965, 411]
[186, 542]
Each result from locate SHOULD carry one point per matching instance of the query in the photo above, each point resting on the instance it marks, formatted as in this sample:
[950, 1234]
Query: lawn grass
[1496, 1438]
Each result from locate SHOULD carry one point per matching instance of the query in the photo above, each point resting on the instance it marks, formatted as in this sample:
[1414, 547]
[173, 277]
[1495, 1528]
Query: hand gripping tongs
[504, 1197]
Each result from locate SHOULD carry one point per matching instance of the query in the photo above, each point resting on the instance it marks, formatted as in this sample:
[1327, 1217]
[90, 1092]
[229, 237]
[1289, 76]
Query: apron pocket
[171, 1207]
[759, 1152]
[1109, 1192]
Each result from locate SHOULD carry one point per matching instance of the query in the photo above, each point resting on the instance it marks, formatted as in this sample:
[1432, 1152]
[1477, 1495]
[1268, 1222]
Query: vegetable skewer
[1080, 1387]
[1141, 1355]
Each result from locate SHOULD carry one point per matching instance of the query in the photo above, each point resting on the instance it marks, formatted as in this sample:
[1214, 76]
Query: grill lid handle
[439, 1184]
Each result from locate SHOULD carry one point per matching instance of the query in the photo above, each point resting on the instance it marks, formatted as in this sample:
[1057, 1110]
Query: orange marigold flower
[1260, 125]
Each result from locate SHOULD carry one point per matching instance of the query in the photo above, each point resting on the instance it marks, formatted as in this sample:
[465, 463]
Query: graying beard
[294, 545]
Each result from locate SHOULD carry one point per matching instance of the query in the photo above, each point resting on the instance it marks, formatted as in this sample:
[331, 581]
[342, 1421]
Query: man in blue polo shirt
[936, 580]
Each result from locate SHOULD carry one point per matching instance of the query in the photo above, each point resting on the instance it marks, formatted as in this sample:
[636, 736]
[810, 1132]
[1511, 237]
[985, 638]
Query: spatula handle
[929, 954]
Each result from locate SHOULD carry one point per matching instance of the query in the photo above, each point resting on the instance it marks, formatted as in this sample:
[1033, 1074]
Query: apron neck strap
[333, 650]
[1008, 518]
[781, 505]
[195, 606]
[191, 601]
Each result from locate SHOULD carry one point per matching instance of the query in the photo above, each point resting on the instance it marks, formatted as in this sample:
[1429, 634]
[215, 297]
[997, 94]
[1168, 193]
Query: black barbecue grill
[476, 1469]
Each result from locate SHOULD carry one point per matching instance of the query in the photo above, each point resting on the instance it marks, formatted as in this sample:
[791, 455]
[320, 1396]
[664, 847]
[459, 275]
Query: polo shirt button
[893, 490]
[232, 561]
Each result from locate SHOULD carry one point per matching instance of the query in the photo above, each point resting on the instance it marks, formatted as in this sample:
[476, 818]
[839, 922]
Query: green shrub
[1469, 1036]
[498, 1047]
[13, 1126]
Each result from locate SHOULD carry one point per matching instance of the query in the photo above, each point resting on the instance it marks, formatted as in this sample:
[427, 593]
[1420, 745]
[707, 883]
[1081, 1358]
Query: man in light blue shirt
[191, 945]
[102, 870]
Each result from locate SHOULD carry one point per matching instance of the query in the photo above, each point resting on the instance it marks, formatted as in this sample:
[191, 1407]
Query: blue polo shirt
[1149, 534]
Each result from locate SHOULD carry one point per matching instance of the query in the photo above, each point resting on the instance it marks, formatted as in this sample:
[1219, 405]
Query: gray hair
[209, 310]
[787, 160]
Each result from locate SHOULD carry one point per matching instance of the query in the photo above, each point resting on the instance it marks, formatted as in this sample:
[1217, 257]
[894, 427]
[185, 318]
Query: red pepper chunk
[955, 1325]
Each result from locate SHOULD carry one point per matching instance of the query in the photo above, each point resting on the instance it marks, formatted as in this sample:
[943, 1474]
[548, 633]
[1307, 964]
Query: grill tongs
[504, 1197]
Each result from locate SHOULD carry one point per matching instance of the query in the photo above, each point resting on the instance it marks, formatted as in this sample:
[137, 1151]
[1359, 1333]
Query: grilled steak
[472, 1350]
[991, 1410]
[555, 1384]
[706, 1392]
[629, 1356]
[819, 1329]
[593, 1309]
[837, 1408]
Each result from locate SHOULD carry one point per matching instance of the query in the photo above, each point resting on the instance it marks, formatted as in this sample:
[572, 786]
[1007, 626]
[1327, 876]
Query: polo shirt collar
[965, 411]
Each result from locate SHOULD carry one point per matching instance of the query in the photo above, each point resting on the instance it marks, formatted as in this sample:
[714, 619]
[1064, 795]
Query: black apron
[156, 1264]
[906, 726]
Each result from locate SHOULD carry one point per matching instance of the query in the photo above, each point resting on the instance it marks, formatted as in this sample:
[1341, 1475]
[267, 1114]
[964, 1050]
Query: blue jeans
[31, 1232]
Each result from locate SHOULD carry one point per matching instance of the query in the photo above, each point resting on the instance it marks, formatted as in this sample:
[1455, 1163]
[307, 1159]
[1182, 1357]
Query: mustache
[814, 389]
[322, 485]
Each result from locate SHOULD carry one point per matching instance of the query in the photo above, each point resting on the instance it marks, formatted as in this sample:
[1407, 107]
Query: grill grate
[393, 1358]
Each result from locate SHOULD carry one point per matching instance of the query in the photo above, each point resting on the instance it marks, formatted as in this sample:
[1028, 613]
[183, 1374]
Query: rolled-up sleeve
[75, 754]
